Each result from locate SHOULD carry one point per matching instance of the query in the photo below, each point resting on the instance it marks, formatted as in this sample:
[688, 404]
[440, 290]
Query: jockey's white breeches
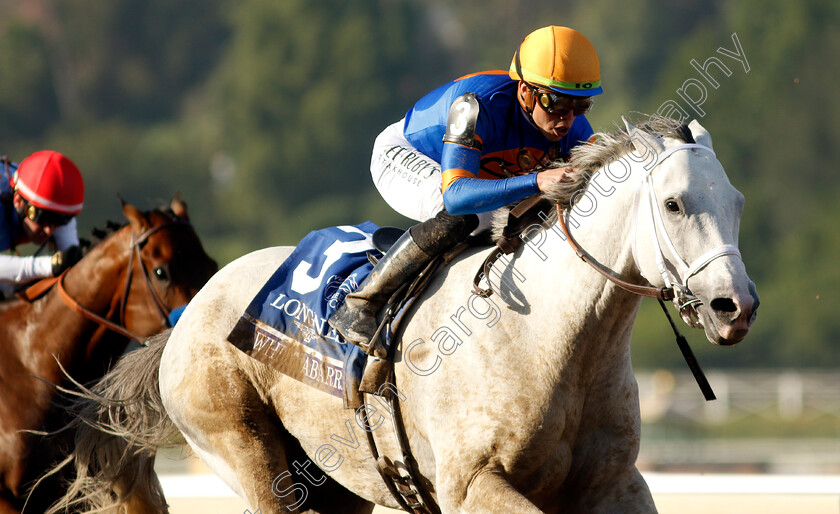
[408, 180]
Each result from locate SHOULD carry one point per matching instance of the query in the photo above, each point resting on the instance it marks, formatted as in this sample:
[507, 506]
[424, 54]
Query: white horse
[521, 402]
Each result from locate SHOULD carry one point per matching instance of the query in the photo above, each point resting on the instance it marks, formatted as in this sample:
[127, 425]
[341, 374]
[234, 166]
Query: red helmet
[50, 181]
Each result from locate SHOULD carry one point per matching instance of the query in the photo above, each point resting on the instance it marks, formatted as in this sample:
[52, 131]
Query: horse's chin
[723, 334]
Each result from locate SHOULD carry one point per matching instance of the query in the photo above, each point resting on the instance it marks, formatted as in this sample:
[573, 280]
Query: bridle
[676, 287]
[135, 247]
[683, 299]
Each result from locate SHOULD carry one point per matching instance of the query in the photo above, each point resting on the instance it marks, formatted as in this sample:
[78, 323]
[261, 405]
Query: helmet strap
[527, 102]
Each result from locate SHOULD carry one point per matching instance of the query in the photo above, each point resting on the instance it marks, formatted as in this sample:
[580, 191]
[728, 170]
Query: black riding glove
[64, 259]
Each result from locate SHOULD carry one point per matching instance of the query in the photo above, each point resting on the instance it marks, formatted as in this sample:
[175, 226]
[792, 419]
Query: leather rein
[135, 247]
[660, 293]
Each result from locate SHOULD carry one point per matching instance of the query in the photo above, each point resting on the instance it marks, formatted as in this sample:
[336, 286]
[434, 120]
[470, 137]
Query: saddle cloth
[285, 326]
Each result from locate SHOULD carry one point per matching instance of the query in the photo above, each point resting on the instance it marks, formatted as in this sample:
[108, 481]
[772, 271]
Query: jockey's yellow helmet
[50, 181]
[560, 59]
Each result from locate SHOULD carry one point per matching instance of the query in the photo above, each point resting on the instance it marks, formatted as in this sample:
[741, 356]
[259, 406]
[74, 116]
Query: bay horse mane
[99, 235]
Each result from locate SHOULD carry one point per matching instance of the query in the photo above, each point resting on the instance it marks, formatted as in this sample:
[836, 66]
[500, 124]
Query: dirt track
[813, 502]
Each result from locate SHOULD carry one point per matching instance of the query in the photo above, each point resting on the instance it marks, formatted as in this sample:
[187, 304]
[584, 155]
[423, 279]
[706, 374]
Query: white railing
[774, 395]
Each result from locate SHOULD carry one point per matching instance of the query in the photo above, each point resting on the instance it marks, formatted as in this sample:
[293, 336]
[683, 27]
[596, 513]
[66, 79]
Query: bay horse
[523, 401]
[122, 289]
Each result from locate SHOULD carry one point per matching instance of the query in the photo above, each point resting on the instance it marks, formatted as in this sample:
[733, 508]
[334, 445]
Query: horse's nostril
[723, 305]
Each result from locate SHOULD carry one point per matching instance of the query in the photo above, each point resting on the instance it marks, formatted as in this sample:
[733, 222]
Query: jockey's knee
[442, 232]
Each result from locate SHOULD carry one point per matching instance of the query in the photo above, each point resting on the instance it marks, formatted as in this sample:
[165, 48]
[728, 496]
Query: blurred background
[262, 114]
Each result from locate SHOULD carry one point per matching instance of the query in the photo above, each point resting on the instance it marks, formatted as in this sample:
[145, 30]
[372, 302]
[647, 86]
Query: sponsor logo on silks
[337, 288]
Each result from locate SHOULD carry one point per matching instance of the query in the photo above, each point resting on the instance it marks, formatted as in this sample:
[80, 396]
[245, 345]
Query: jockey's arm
[465, 193]
[17, 270]
[66, 236]
[460, 162]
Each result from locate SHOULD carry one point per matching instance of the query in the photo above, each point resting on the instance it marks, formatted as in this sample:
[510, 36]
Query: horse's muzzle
[729, 318]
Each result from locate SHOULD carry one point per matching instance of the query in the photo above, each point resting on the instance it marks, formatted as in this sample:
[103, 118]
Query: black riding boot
[355, 319]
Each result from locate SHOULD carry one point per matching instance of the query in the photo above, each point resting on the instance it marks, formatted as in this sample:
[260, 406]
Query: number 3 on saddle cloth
[285, 326]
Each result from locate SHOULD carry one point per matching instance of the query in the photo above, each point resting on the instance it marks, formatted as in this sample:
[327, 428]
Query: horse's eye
[161, 274]
[672, 205]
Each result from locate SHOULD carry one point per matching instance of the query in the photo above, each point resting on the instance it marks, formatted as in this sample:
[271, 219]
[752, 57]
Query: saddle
[510, 223]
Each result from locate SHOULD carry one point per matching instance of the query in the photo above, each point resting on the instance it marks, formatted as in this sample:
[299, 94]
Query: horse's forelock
[168, 214]
[100, 234]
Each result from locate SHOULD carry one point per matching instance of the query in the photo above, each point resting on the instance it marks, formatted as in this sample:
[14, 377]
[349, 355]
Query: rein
[89, 314]
[137, 243]
[660, 293]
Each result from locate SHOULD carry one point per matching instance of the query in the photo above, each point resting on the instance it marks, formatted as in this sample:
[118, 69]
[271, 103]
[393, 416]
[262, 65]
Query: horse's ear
[629, 126]
[179, 207]
[701, 135]
[134, 216]
[638, 135]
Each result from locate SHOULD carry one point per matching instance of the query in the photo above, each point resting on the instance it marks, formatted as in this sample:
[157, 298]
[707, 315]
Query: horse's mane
[590, 157]
[586, 160]
[99, 235]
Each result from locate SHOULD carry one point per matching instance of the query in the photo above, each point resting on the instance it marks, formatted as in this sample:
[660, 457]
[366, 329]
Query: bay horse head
[167, 266]
[151, 266]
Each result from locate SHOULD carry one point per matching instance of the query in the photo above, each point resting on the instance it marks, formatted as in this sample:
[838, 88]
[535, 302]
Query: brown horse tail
[120, 425]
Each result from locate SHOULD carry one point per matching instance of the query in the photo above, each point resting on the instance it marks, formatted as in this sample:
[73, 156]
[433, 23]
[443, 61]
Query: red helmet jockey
[50, 181]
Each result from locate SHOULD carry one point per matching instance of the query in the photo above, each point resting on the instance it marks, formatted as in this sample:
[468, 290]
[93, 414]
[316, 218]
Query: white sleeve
[22, 269]
[66, 236]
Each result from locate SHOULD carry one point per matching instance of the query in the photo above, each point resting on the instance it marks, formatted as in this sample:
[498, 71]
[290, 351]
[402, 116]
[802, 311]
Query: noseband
[135, 247]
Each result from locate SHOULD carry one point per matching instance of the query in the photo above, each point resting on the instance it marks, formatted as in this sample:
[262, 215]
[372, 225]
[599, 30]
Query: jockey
[472, 146]
[40, 199]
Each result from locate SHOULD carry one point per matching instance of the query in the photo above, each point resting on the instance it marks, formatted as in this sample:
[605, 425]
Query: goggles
[46, 218]
[556, 103]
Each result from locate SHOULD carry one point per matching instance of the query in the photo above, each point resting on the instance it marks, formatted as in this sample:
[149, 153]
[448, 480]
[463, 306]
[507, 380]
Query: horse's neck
[582, 305]
[96, 281]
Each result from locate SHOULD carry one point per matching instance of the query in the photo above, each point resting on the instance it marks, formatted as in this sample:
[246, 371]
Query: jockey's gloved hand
[64, 259]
